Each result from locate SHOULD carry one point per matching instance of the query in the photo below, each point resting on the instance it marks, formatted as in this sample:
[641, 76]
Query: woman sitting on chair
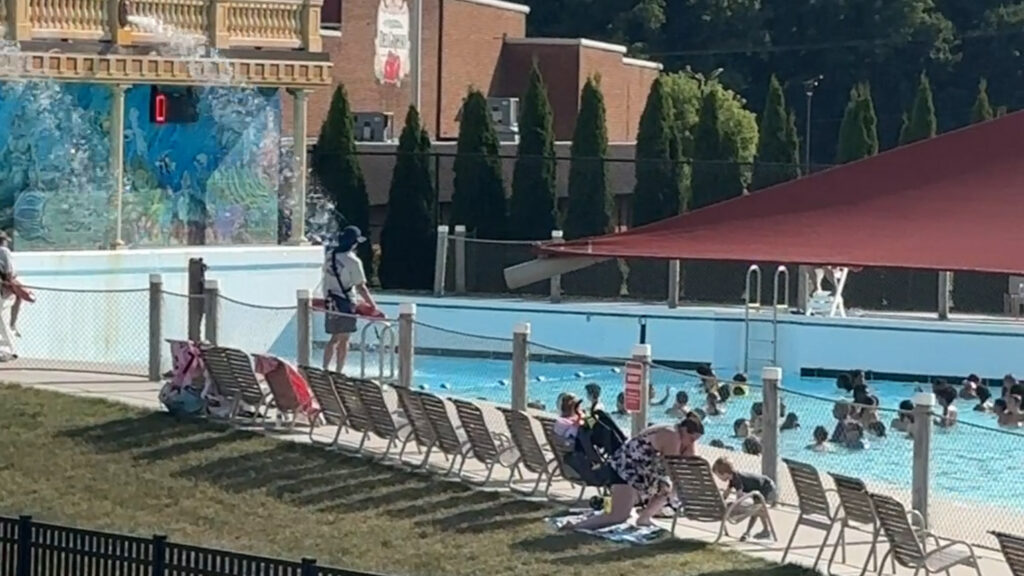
[639, 478]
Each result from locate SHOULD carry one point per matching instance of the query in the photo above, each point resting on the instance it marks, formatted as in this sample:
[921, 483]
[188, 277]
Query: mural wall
[214, 181]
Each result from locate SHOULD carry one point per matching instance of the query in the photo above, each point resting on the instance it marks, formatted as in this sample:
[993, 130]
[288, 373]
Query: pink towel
[186, 363]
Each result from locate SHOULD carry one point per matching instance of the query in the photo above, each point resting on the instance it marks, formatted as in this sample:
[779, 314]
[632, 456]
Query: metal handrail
[750, 298]
[387, 344]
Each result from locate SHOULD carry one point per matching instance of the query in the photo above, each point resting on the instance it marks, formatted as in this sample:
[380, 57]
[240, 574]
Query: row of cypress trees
[696, 145]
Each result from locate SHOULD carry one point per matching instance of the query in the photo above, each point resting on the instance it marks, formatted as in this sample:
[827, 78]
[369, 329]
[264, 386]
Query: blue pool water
[976, 463]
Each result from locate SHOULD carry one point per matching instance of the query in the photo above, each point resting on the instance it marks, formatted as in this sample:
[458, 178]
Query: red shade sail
[954, 202]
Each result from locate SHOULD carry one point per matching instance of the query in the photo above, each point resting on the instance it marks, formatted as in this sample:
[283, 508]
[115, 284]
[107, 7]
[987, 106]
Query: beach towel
[280, 371]
[625, 533]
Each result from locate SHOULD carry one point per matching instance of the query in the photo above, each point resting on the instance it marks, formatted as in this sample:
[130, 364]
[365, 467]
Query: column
[300, 165]
[117, 159]
[520, 365]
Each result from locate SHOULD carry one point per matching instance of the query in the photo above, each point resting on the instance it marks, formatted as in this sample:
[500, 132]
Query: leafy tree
[407, 239]
[717, 174]
[792, 138]
[778, 157]
[478, 198]
[659, 191]
[739, 129]
[982, 109]
[922, 115]
[533, 213]
[854, 141]
[590, 202]
[336, 167]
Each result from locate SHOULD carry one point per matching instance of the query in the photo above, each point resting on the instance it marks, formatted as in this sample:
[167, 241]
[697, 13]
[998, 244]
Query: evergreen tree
[777, 155]
[922, 116]
[478, 198]
[336, 167]
[982, 109]
[407, 239]
[869, 118]
[904, 127]
[590, 202]
[854, 141]
[793, 139]
[533, 213]
[717, 172]
[658, 193]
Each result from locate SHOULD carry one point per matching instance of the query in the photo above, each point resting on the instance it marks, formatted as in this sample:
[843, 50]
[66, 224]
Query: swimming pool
[974, 461]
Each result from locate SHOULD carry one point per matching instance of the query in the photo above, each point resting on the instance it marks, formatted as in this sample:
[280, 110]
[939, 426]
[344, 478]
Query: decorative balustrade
[220, 24]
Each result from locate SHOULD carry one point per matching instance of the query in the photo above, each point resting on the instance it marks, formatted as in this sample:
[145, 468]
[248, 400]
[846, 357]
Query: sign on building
[391, 54]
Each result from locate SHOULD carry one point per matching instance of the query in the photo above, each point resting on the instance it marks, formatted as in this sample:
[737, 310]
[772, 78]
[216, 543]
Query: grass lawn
[104, 466]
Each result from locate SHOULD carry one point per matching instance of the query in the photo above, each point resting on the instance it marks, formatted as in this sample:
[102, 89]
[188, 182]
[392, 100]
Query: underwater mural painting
[212, 181]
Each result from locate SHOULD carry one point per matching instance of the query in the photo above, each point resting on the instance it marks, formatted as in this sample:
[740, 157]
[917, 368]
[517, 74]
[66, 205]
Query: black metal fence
[30, 548]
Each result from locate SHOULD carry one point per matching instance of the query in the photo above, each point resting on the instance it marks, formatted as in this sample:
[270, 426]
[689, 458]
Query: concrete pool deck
[138, 392]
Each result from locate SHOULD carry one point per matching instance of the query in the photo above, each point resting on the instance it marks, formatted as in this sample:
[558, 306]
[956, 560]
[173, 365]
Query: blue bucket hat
[349, 237]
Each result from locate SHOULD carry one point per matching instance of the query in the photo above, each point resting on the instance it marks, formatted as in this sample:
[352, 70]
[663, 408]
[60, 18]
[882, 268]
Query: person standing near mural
[345, 295]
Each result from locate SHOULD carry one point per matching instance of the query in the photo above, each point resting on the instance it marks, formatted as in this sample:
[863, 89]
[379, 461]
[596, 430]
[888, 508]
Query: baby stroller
[596, 441]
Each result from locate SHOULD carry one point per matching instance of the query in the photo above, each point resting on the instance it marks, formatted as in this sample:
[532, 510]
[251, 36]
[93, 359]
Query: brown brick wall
[472, 39]
[624, 86]
[558, 64]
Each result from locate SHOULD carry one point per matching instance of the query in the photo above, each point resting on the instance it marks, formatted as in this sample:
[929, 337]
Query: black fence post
[159, 555]
[24, 546]
[309, 567]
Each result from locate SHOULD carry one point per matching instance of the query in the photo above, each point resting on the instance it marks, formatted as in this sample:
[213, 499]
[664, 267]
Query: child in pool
[713, 408]
[821, 443]
[855, 436]
[681, 407]
[792, 422]
[741, 428]
[905, 420]
[748, 483]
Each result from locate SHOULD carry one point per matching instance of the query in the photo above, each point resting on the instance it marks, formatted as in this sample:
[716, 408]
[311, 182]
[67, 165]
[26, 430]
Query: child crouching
[748, 483]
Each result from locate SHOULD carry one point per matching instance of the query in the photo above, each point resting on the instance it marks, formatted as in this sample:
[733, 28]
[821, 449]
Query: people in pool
[983, 395]
[905, 418]
[969, 387]
[713, 407]
[739, 384]
[791, 422]
[756, 417]
[1008, 383]
[639, 476]
[854, 437]
[752, 446]
[652, 394]
[717, 443]
[681, 407]
[708, 380]
[946, 396]
[841, 411]
[876, 429]
[741, 428]
[748, 483]
[821, 443]
[844, 383]
[724, 394]
[620, 405]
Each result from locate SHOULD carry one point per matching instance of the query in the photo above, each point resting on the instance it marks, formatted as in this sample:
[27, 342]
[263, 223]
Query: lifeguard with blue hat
[346, 295]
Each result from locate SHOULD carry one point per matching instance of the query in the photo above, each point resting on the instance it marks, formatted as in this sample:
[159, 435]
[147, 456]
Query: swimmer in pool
[821, 443]
[681, 407]
[713, 408]
[741, 428]
[905, 419]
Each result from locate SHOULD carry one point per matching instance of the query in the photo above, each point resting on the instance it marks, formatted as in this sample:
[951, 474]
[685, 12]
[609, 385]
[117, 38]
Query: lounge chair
[290, 393]
[417, 417]
[531, 455]
[356, 416]
[490, 448]
[858, 513]
[382, 421]
[701, 500]
[1013, 551]
[331, 411]
[815, 509]
[232, 374]
[447, 436]
[559, 448]
[907, 542]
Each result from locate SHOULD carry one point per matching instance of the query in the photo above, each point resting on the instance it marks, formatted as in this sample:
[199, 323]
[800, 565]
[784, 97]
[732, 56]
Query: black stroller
[596, 441]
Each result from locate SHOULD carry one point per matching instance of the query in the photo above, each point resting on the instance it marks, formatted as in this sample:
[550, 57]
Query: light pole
[809, 86]
[703, 80]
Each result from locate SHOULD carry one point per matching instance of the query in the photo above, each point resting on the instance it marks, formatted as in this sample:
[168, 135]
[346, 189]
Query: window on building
[330, 15]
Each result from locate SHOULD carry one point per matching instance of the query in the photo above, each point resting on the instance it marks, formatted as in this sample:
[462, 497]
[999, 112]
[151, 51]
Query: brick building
[465, 43]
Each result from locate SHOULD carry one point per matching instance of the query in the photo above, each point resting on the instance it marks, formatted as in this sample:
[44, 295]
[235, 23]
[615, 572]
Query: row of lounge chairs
[424, 421]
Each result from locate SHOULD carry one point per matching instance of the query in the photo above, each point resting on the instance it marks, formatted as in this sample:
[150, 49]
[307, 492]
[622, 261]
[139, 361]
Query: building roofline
[502, 5]
[581, 42]
[640, 63]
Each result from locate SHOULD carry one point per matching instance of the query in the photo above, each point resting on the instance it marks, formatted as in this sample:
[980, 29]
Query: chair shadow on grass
[137, 432]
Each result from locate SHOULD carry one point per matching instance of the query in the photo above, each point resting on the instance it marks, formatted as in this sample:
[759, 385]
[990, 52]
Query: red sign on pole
[634, 382]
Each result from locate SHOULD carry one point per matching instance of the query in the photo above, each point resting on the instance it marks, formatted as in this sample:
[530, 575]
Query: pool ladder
[386, 349]
[753, 318]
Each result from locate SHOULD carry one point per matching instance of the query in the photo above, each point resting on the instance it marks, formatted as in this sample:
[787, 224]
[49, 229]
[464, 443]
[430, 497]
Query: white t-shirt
[349, 273]
[6, 261]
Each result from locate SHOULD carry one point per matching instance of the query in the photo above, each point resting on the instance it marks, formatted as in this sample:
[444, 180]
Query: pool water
[973, 461]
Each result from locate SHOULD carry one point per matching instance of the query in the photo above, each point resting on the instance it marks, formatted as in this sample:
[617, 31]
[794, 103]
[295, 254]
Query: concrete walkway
[138, 392]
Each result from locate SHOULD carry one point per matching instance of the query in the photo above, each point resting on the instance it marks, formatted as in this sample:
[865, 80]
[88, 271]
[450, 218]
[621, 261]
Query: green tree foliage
[407, 239]
[478, 199]
[792, 138]
[590, 202]
[868, 117]
[336, 167]
[533, 213]
[854, 140]
[922, 124]
[982, 109]
[659, 190]
[778, 157]
[716, 173]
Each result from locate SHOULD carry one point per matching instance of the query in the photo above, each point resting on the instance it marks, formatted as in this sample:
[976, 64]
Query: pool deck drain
[140, 393]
